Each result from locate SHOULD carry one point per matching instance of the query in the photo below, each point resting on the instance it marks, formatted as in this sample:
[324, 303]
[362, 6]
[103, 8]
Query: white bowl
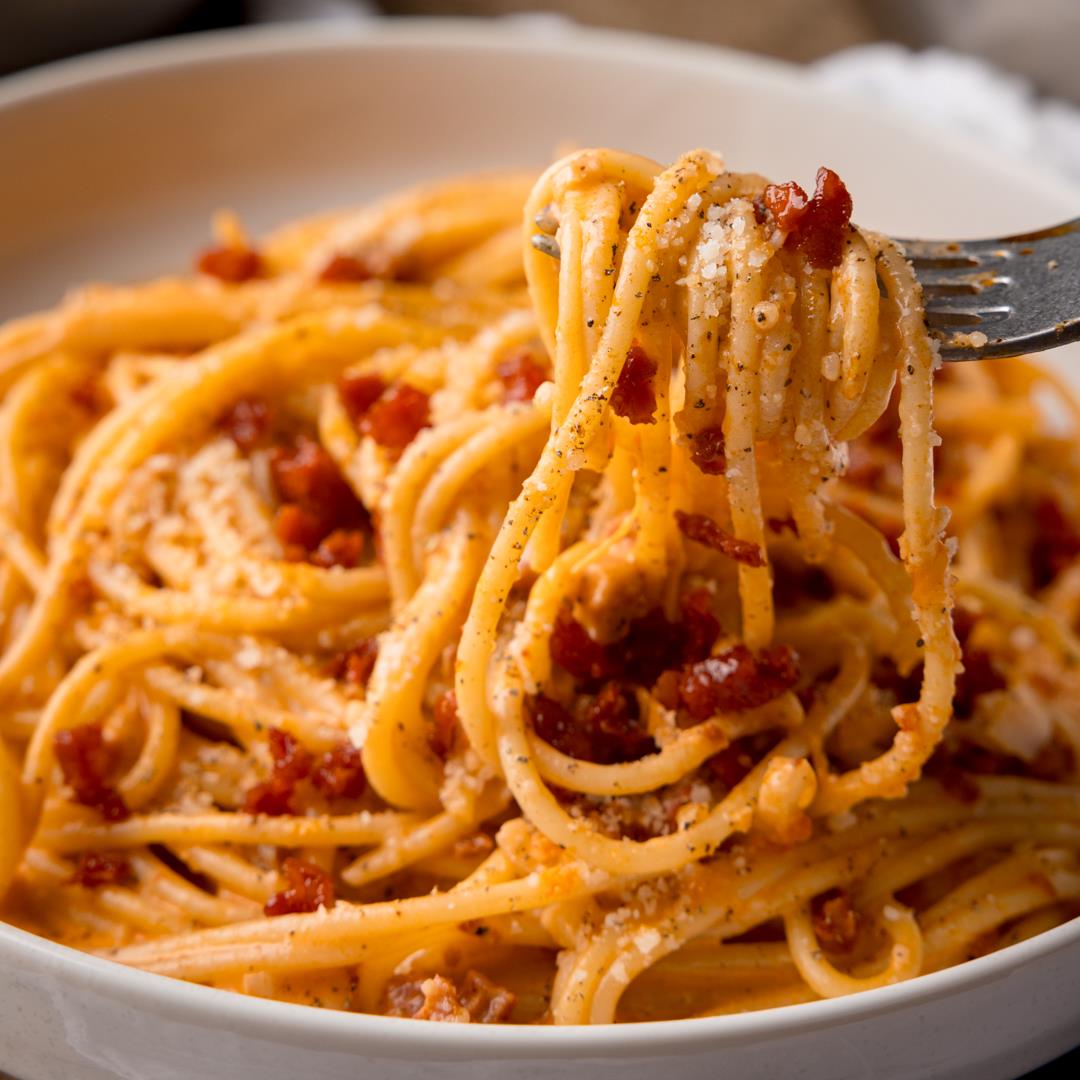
[111, 167]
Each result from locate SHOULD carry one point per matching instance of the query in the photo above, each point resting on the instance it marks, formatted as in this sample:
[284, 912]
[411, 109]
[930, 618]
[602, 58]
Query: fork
[985, 298]
[1003, 297]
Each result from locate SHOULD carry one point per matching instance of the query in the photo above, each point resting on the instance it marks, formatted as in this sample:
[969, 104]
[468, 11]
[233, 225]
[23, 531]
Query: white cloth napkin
[961, 93]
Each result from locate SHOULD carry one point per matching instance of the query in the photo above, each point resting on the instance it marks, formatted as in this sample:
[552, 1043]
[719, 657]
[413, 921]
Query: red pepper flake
[634, 396]
[309, 887]
[703, 530]
[246, 422]
[835, 921]
[343, 547]
[574, 650]
[521, 375]
[339, 773]
[355, 665]
[708, 451]
[342, 268]
[84, 759]
[397, 417]
[816, 226]
[234, 265]
[737, 680]
[95, 869]
[359, 393]
[444, 725]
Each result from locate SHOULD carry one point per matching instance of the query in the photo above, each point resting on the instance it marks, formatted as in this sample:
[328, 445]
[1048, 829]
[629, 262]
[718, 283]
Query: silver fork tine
[1001, 297]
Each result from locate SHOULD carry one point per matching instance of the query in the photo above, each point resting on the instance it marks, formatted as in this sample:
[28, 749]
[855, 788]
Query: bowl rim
[210, 1007]
[521, 34]
[30, 955]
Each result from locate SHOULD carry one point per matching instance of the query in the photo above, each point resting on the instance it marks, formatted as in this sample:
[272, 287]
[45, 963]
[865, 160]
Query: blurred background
[1004, 71]
[1035, 38]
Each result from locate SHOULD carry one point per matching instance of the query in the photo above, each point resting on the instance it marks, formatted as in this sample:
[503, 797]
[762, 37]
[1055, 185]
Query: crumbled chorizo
[650, 645]
[703, 530]
[574, 650]
[359, 392]
[290, 763]
[815, 226]
[316, 503]
[291, 760]
[343, 547]
[634, 395]
[737, 680]
[307, 475]
[521, 375]
[614, 724]
[556, 726]
[355, 665]
[731, 764]
[707, 452]
[473, 998]
[308, 888]
[700, 626]
[298, 530]
[270, 797]
[484, 1000]
[342, 268]
[398, 416]
[435, 998]
[835, 920]
[607, 729]
[339, 773]
[84, 759]
[234, 265]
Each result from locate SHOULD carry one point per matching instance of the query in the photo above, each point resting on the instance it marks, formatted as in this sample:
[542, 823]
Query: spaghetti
[382, 634]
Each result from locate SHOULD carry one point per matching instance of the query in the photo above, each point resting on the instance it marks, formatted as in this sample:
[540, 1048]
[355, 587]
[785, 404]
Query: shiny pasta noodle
[397, 622]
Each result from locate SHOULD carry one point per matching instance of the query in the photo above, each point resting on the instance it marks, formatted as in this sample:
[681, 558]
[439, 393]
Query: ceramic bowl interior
[112, 166]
